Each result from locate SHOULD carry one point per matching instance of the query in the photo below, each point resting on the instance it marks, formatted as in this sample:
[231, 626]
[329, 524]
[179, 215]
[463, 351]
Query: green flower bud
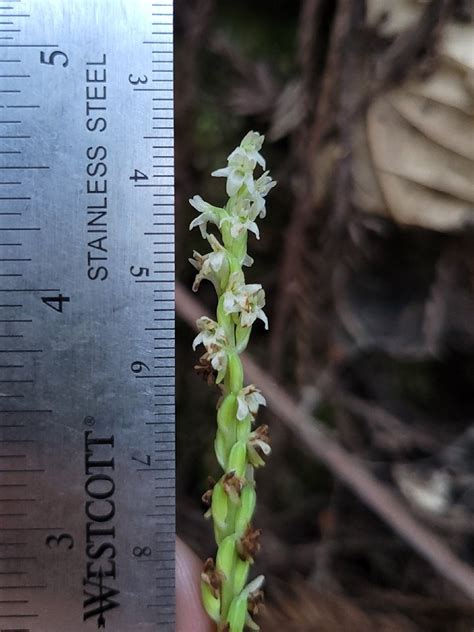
[235, 373]
[238, 458]
[242, 335]
[211, 604]
[219, 534]
[237, 613]
[248, 499]
[241, 572]
[226, 556]
[221, 449]
[243, 429]
[239, 246]
[226, 236]
[219, 505]
[226, 414]
[225, 320]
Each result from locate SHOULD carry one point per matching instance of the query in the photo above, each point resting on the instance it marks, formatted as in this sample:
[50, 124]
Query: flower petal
[242, 408]
[221, 173]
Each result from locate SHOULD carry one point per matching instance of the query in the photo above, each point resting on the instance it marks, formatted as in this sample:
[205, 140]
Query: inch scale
[87, 508]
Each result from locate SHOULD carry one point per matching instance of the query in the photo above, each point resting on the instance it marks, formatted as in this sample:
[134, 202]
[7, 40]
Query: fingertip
[191, 616]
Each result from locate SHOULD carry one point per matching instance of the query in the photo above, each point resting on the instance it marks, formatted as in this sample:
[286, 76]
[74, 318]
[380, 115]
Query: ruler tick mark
[16, 500]
[29, 290]
[17, 320]
[12, 456]
[21, 167]
[21, 471]
[17, 382]
[37, 586]
[19, 412]
[31, 529]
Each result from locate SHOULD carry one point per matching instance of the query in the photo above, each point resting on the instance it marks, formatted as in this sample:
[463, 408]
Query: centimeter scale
[87, 509]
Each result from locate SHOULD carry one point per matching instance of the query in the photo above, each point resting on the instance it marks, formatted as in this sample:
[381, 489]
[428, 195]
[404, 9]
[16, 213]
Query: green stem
[235, 432]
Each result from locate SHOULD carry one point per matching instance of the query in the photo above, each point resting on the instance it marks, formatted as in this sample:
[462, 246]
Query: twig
[304, 293]
[291, 264]
[397, 435]
[346, 467]
[413, 43]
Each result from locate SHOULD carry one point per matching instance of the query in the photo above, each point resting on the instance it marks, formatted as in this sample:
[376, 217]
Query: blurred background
[367, 259]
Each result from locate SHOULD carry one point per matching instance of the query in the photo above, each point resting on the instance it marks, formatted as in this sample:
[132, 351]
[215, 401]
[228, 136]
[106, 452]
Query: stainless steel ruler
[87, 516]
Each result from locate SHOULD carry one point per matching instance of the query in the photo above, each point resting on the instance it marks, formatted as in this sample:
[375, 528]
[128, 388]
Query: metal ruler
[87, 515]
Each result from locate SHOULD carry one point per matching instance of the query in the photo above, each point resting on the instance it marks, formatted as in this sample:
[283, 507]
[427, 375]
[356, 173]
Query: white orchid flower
[241, 216]
[210, 333]
[248, 401]
[218, 358]
[245, 299]
[239, 224]
[213, 337]
[213, 266]
[252, 144]
[263, 186]
[208, 213]
[239, 171]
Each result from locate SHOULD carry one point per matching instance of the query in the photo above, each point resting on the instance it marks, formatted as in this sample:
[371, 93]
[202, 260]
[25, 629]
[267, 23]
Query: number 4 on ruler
[55, 302]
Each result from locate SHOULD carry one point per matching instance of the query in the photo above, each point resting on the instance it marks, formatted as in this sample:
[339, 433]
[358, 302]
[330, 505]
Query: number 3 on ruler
[55, 541]
[138, 80]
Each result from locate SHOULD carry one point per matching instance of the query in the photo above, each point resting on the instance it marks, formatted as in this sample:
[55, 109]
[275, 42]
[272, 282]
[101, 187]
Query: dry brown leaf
[457, 45]
[393, 17]
[416, 163]
[423, 183]
[367, 193]
[444, 125]
[446, 86]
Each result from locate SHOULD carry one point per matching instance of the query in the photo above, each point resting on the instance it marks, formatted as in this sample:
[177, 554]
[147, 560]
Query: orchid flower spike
[227, 595]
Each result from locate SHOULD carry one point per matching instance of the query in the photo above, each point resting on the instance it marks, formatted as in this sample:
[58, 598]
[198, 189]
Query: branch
[345, 466]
